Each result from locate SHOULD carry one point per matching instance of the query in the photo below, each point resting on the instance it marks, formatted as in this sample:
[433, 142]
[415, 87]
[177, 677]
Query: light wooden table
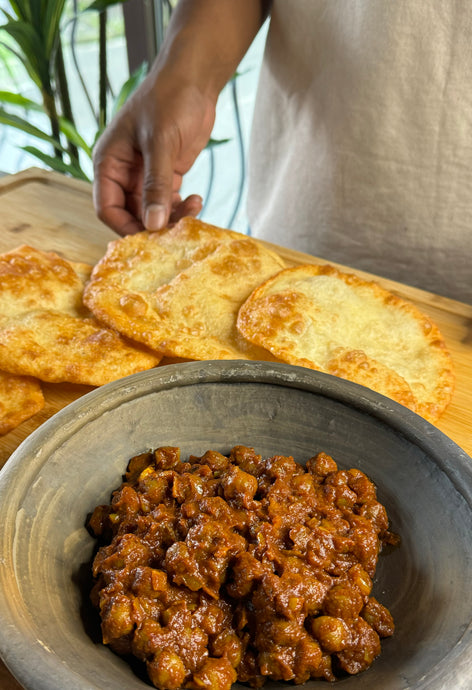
[54, 213]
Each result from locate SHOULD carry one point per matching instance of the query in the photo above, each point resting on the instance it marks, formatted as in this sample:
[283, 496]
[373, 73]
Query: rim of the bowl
[91, 405]
[442, 450]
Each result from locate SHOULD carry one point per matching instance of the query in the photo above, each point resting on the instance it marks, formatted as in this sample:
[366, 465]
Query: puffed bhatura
[21, 397]
[227, 568]
[325, 319]
[177, 291]
[45, 330]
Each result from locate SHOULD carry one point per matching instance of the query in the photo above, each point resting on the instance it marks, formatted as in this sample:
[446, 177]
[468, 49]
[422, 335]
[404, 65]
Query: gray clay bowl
[49, 636]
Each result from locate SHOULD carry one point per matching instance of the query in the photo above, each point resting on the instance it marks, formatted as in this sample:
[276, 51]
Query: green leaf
[56, 163]
[238, 74]
[35, 8]
[9, 68]
[70, 132]
[129, 86]
[10, 17]
[21, 101]
[51, 21]
[22, 9]
[20, 123]
[43, 16]
[66, 127]
[21, 58]
[100, 5]
[216, 142]
[32, 49]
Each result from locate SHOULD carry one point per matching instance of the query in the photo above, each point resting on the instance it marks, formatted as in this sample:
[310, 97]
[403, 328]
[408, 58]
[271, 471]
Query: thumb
[158, 165]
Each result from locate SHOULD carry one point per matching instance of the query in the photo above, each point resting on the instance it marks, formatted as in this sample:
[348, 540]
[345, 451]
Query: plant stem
[50, 108]
[102, 120]
[64, 96]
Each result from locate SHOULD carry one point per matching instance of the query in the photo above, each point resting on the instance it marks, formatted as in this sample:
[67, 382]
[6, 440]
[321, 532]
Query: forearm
[206, 40]
[157, 135]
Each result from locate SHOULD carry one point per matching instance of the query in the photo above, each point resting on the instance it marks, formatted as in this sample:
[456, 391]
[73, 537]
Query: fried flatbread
[322, 318]
[178, 291]
[21, 397]
[45, 330]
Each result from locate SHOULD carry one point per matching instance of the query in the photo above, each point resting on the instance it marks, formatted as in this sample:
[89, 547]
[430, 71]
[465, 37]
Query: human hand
[141, 157]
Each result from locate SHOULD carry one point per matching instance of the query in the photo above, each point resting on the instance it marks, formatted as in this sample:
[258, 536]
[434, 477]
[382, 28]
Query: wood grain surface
[54, 213]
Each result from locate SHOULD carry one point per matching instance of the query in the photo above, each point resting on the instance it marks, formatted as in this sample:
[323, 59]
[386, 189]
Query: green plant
[33, 34]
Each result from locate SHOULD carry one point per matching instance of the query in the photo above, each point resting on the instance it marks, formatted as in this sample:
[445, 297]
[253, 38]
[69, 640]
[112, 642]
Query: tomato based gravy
[237, 568]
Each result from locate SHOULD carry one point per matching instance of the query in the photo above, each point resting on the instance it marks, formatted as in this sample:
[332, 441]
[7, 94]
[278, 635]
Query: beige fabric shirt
[361, 148]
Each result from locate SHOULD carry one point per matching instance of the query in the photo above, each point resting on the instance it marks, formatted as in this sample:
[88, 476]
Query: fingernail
[155, 217]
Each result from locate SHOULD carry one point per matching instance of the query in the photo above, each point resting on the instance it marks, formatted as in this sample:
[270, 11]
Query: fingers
[138, 166]
[119, 219]
[117, 196]
[117, 184]
[191, 206]
[112, 206]
[158, 177]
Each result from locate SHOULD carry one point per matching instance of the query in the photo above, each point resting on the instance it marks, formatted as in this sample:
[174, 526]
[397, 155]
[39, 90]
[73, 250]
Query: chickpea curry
[226, 568]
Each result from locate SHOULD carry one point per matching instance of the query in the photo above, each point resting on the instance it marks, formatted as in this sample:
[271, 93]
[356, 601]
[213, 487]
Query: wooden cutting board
[55, 213]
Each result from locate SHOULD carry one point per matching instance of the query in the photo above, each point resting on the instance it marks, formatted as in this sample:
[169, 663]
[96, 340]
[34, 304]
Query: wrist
[183, 62]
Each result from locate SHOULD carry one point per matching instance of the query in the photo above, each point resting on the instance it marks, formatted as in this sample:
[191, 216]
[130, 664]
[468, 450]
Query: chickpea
[308, 659]
[343, 601]
[216, 674]
[117, 618]
[362, 485]
[186, 486]
[216, 461]
[208, 586]
[361, 579]
[240, 487]
[376, 513]
[125, 501]
[166, 458]
[332, 633]
[247, 459]
[154, 484]
[321, 465]
[167, 670]
[148, 581]
[228, 644]
[378, 617]
[136, 465]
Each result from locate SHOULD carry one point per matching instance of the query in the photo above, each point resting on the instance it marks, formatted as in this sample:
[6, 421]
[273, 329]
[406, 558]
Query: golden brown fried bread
[21, 397]
[178, 290]
[45, 330]
[355, 365]
[322, 318]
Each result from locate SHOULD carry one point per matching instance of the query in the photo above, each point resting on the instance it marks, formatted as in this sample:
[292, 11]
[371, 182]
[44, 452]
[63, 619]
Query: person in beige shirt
[361, 147]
